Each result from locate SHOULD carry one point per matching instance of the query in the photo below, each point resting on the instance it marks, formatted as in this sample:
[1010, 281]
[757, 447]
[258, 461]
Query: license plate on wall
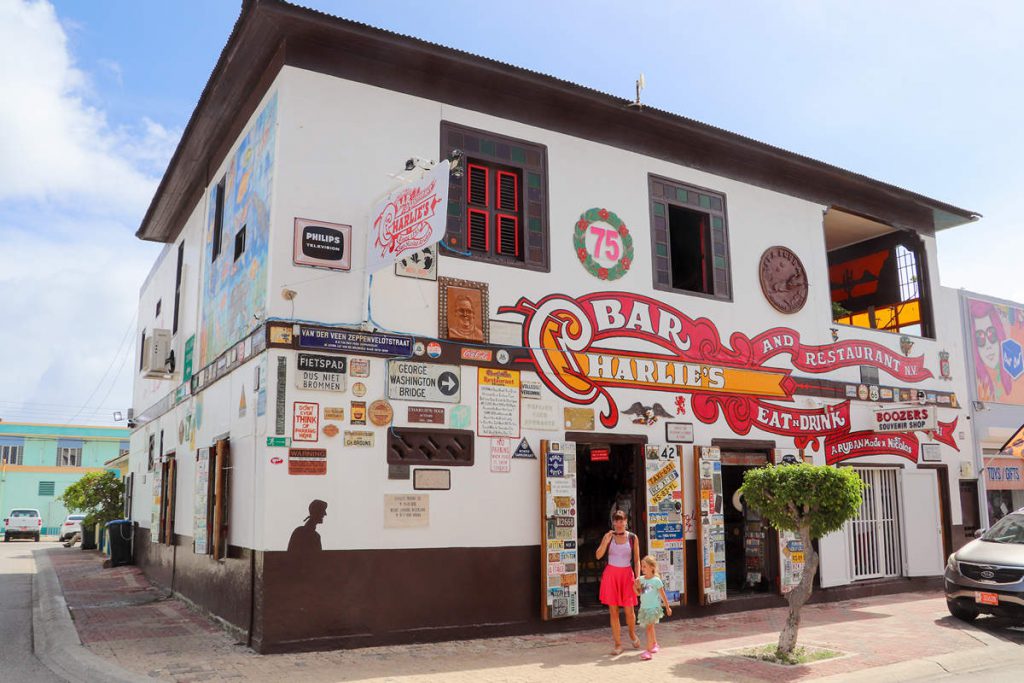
[986, 598]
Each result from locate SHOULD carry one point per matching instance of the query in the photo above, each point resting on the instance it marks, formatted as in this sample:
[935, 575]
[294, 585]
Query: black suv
[986, 576]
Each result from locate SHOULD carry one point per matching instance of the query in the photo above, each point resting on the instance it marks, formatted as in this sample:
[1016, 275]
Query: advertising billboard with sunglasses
[996, 340]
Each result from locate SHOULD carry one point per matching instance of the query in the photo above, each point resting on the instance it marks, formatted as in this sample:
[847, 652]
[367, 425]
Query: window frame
[723, 281]
[18, 450]
[892, 241]
[500, 155]
[218, 218]
[69, 450]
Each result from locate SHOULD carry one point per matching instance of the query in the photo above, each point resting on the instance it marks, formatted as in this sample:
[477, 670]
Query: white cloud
[72, 192]
[57, 147]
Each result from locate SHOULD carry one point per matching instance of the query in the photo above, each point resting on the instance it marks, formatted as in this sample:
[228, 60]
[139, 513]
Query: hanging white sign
[408, 219]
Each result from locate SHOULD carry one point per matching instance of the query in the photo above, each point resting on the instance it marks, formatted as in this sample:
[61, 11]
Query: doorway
[751, 545]
[874, 534]
[609, 476]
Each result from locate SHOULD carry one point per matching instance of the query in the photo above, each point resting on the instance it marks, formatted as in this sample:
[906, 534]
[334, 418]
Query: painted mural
[235, 288]
[996, 340]
[577, 345]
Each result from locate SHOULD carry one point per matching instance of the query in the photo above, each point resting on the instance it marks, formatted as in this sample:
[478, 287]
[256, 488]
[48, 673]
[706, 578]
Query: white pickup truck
[24, 522]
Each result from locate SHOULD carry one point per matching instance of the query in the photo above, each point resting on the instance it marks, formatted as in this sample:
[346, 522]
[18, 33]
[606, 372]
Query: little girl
[651, 590]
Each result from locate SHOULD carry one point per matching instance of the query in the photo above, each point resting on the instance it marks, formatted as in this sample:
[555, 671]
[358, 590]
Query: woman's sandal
[616, 651]
[636, 643]
[646, 656]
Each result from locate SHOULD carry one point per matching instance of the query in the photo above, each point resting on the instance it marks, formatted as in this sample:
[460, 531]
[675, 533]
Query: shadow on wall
[304, 539]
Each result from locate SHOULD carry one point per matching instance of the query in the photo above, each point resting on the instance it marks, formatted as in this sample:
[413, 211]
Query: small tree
[811, 500]
[98, 495]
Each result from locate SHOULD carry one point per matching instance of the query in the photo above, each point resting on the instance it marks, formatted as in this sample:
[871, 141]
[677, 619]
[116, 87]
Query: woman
[993, 381]
[617, 581]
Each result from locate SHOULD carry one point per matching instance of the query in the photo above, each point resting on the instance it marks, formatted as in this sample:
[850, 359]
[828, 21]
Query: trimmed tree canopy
[98, 494]
[791, 496]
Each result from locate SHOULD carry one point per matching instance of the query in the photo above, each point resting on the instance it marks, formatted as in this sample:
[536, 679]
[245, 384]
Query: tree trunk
[798, 596]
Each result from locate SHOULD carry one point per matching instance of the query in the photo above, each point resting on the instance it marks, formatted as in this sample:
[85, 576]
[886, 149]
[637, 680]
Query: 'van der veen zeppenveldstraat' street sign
[317, 372]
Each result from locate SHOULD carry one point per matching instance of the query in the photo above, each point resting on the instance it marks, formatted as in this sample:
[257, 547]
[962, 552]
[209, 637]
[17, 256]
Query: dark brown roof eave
[264, 26]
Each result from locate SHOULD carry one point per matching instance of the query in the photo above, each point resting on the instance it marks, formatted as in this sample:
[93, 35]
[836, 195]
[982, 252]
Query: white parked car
[23, 522]
[72, 525]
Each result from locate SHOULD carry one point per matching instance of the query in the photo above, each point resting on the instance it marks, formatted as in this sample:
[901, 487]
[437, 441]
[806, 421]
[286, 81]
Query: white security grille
[874, 534]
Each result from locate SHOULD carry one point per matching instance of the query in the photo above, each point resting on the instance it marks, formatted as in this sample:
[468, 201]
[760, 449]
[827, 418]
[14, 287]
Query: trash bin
[120, 534]
[88, 537]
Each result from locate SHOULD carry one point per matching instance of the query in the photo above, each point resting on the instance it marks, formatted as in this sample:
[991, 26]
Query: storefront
[605, 325]
[1004, 487]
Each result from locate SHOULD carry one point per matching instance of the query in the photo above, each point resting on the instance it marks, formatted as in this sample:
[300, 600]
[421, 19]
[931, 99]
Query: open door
[922, 524]
[559, 560]
[710, 525]
[665, 542]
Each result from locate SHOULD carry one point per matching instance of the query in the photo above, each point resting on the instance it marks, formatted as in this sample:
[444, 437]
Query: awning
[1015, 444]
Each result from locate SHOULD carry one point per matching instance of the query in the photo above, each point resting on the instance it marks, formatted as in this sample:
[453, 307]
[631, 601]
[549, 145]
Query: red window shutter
[476, 181]
[508, 235]
[508, 191]
[479, 237]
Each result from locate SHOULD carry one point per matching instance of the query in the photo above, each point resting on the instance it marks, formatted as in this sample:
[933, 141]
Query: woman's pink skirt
[617, 586]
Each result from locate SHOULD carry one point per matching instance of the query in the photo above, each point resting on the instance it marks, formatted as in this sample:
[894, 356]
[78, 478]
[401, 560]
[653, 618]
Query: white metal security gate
[874, 534]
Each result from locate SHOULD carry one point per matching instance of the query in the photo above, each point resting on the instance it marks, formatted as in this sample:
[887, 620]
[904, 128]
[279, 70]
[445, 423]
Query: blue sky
[924, 95]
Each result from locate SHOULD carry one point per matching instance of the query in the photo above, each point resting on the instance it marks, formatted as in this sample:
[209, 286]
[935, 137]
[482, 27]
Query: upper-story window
[69, 457]
[690, 239]
[877, 275]
[11, 454]
[497, 210]
[218, 219]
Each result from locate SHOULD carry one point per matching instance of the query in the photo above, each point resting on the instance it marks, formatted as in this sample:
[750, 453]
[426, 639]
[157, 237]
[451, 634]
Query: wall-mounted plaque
[679, 432]
[783, 279]
[462, 310]
[431, 479]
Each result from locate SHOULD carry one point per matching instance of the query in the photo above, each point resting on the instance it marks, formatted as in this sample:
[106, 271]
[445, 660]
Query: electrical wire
[113, 360]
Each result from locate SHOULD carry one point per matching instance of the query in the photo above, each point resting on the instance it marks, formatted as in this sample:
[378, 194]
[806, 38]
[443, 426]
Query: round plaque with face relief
[783, 279]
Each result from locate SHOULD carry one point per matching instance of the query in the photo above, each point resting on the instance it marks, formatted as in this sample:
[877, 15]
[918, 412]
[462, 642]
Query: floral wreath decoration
[579, 242]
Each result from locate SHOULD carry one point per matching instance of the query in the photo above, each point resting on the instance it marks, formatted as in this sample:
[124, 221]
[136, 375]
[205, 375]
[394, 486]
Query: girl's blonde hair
[649, 559]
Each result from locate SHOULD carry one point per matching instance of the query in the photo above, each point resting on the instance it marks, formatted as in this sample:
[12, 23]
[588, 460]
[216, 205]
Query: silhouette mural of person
[304, 538]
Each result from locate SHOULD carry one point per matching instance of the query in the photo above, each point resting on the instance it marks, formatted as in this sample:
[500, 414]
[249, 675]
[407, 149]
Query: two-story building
[994, 332]
[39, 461]
[628, 309]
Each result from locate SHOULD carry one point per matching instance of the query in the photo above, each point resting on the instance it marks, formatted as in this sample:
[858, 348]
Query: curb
[996, 654]
[55, 640]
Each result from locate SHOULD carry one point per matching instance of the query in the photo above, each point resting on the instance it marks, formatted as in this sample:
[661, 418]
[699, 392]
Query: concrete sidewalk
[129, 630]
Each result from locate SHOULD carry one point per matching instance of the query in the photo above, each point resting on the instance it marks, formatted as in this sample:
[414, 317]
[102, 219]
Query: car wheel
[961, 612]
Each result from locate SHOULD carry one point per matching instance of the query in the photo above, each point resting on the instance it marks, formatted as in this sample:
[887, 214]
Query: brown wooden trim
[745, 444]
[945, 508]
[312, 40]
[591, 438]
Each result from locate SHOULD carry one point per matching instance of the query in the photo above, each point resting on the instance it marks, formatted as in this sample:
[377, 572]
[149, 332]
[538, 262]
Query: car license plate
[986, 598]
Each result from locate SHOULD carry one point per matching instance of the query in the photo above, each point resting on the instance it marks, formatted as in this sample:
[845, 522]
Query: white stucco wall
[339, 147]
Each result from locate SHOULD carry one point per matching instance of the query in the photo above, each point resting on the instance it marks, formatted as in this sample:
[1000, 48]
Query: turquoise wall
[19, 485]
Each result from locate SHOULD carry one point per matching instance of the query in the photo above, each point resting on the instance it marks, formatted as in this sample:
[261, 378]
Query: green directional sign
[279, 441]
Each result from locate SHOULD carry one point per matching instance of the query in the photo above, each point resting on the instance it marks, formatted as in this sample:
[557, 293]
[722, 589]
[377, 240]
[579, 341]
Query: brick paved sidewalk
[121, 617]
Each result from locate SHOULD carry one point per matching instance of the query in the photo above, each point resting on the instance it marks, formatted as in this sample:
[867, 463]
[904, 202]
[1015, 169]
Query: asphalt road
[17, 663]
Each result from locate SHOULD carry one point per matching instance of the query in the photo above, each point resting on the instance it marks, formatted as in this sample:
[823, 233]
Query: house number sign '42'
[603, 244]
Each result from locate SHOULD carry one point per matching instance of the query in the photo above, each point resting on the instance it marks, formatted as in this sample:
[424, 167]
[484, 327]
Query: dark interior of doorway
[751, 545]
[601, 487]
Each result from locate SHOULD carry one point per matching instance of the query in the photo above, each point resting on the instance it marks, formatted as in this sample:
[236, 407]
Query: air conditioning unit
[157, 356]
